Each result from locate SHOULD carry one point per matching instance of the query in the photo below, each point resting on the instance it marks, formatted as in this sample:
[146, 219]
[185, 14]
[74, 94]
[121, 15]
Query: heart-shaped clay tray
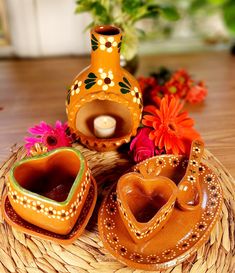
[17, 222]
[184, 232]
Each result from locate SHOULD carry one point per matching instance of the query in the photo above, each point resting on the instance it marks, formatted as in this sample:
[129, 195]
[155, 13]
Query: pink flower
[50, 137]
[197, 93]
[141, 146]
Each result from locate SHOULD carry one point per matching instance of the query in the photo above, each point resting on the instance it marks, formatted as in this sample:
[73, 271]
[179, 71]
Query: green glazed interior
[45, 160]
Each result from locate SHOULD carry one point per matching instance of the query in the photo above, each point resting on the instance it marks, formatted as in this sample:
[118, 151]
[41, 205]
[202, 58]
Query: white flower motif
[107, 44]
[191, 178]
[75, 88]
[105, 79]
[136, 95]
[193, 163]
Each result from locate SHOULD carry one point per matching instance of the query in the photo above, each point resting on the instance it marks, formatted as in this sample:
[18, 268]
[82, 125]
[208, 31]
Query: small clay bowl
[49, 190]
[145, 204]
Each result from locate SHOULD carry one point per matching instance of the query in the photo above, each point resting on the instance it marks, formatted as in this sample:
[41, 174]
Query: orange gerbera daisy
[172, 129]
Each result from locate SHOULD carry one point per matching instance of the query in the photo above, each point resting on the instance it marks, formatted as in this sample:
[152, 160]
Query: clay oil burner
[49, 191]
[104, 88]
[145, 204]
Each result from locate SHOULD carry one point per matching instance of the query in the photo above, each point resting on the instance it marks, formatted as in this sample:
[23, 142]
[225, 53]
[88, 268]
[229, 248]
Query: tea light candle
[104, 126]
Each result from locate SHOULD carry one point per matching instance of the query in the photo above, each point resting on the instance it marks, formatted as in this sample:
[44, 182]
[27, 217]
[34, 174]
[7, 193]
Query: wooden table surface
[35, 90]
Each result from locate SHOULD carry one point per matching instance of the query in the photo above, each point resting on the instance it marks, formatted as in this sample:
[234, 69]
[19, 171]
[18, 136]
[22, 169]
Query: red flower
[197, 93]
[179, 84]
[171, 128]
[141, 146]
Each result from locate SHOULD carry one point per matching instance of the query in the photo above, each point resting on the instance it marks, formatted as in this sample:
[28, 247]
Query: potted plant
[125, 14]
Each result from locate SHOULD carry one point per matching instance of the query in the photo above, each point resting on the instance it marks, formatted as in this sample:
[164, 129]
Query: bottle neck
[105, 47]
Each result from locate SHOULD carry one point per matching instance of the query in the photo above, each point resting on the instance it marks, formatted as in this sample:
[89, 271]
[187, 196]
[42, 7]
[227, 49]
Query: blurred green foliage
[126, 13]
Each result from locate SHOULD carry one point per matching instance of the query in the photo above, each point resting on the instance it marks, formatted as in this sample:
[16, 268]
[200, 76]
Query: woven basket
[23, 253]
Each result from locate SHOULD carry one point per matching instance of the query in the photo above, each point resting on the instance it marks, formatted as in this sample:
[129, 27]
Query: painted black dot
[160, 162]
[153, 259]
[115, 238]
[14, 196]
[137, 234]
[166, 213]
[158, 222]
[208, 179]
[111, 209]
[215, 195]
[168, 252]
[123, 250]
[201, 226]
[184, 245]
[63, 214]
[194, 236]
[50, 212]
[137, 256]
[38, 207]
[24, 202]
[175, 162]
[75, 86]
[74, 208]
[213, 187]
[212, 203]
[108, 224]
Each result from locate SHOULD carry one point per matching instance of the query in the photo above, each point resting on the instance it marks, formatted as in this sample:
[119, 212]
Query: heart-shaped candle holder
[49, 190]
[145, 204]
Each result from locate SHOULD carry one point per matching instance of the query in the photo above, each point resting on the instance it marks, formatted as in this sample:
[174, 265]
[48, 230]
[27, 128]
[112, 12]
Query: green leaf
[170, 13]
[126, 81]
[89, 80]
[89, 85]
[92, 76]
[217, 2]
[125, 91]
[123, 85]
[197, 5]
[94, 48]
[229, 15]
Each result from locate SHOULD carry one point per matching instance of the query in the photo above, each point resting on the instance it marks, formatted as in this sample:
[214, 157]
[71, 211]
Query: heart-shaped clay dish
[145, 204]
[49, 190]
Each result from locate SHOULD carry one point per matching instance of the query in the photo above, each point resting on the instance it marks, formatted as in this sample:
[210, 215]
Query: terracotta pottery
[145, 204]
[189, 196]
[13, 219]
[182, 235]
[50, 190]
[104, 88]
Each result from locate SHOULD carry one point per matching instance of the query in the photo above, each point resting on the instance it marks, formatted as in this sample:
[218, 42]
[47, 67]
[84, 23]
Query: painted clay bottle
[104, 88]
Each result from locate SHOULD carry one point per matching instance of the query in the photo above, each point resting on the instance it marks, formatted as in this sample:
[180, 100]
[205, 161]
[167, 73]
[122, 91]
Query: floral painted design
[107, 44]
[90, 81]
[105, 79]
[127, 88]
[74, 89]
[94, 42]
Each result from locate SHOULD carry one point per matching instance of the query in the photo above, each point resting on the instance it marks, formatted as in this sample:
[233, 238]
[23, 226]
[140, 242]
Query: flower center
[51, 140]
[108, 44]
[171, 127]
[107, 80]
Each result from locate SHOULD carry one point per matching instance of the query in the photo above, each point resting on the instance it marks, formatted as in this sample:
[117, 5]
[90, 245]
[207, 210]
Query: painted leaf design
[94, 38]
[126, 81]
[94, 47]
[89, 80]
[125, 91]
[89, 85]
[92, 76]
[94, 43]
[123, 85]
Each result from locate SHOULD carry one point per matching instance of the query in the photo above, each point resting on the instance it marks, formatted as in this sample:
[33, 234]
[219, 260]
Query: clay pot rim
[168, 204]
[78, 180]
[104, 29]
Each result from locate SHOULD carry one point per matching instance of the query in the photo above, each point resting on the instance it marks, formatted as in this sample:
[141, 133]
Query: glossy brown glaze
[104, 88]
[180, 237]
[50, 190]
[20, 224]
[145, 204]
[189, 196]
